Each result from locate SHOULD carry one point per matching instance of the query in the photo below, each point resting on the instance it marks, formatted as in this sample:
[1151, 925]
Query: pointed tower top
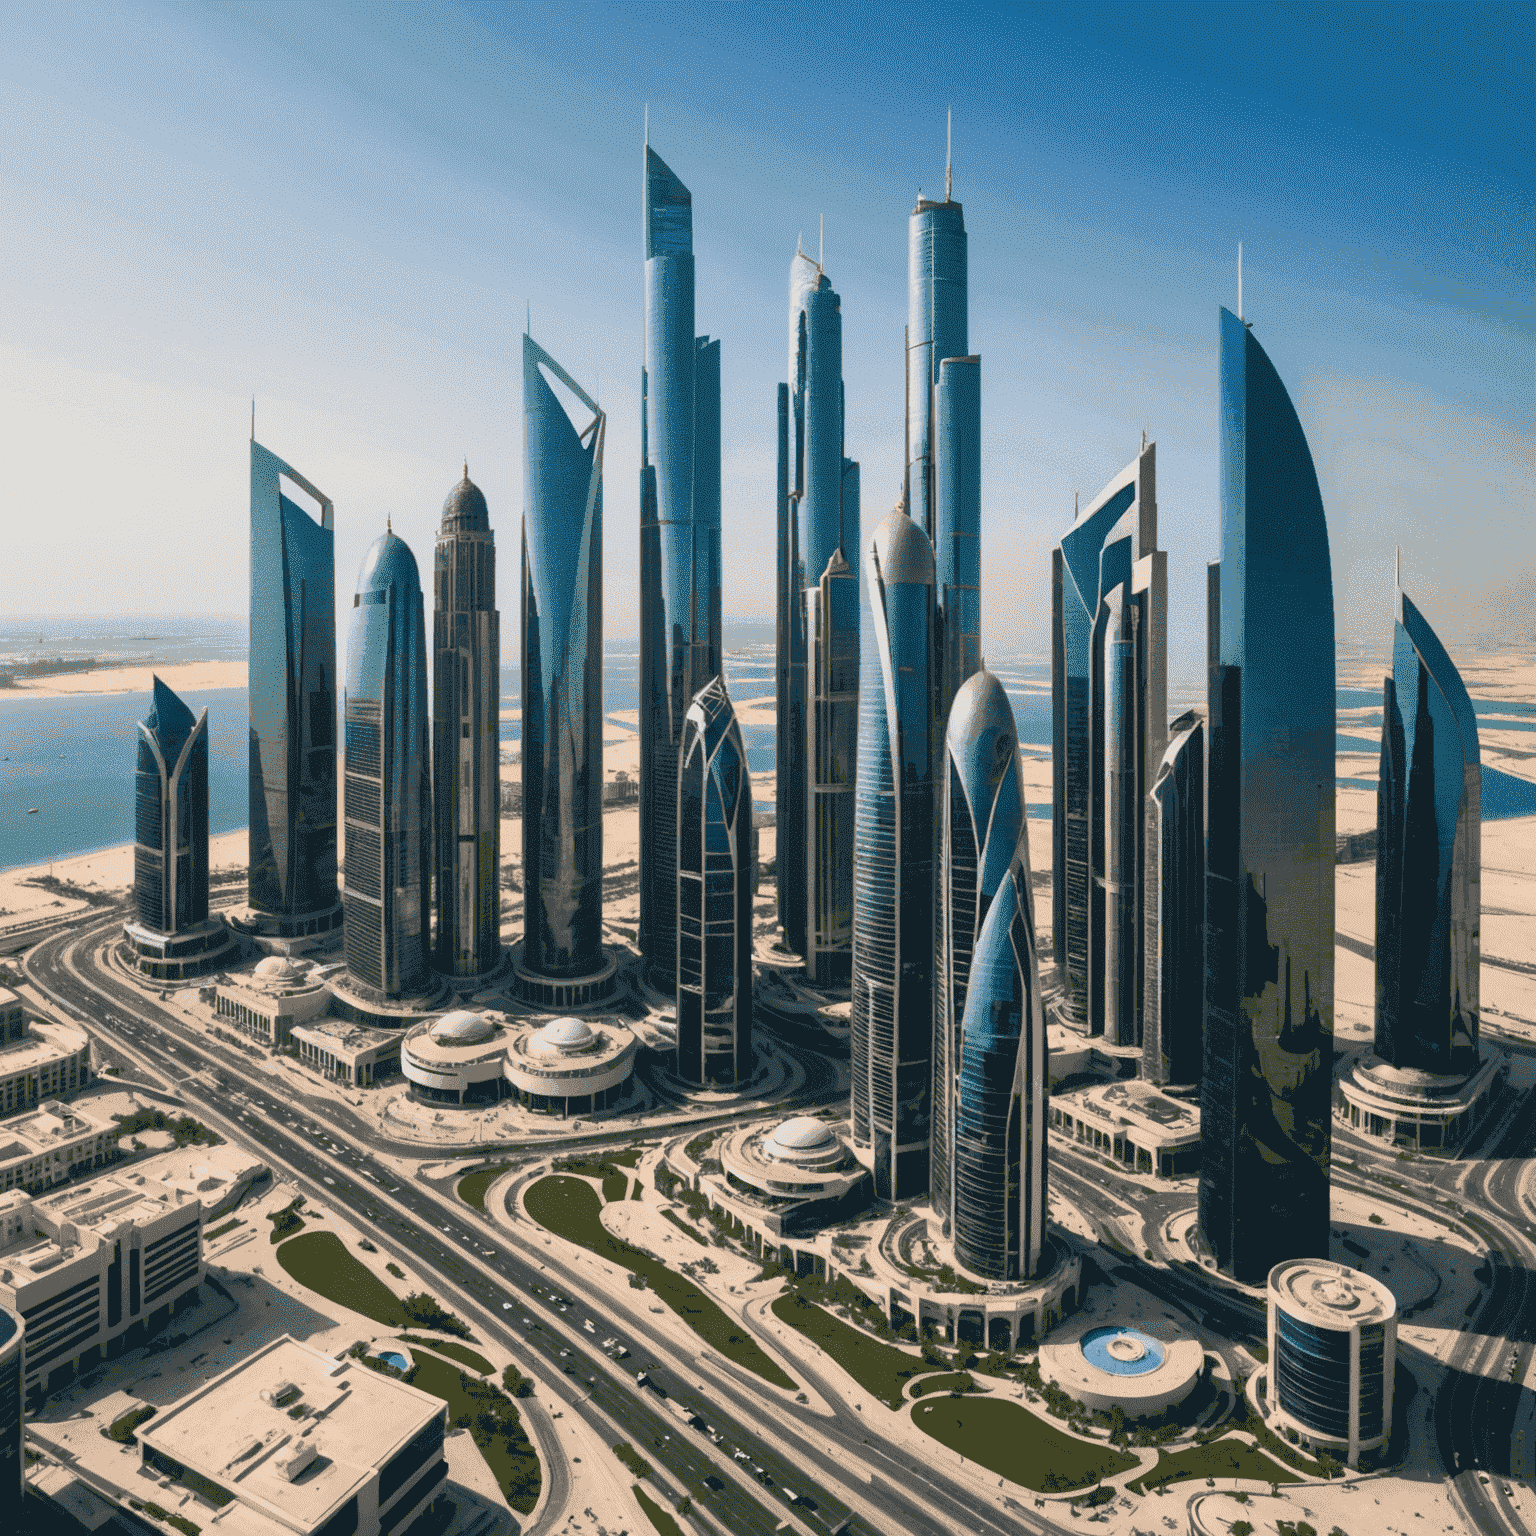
[466, 469]
[949, 169]
[1397, 568]
[1239, 279]
[821, 245]
[647, 125]
[253, 418]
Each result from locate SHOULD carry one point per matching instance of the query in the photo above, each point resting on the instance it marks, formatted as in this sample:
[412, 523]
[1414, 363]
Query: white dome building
[798, 1171]
[459, 1058]
[569, 1066]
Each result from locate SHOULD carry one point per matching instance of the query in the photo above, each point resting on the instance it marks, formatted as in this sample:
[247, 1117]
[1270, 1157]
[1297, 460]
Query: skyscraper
[891, 1024]
[170, 854]
[680, 638]
[1000, 1109]
[1268, 1060]
[716, 881]
[957, 519]
[466, 737]
[1174, 944]
[1428, 859]
[981, 819]
[388, 797]
[562, 668]
[1109, 708]
[292, 877]
[790, 684]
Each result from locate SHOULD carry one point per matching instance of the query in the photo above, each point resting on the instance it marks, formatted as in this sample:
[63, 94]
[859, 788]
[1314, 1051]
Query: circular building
[457, 1059]
[569, 1066]
[799, 1172]
[1332, 1355]
[13, 1464]
[1145, 1368]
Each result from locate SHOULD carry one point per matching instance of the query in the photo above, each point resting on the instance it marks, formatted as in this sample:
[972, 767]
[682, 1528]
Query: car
[528, 1322]
[506, 1306]
[330, 1181]
[565, 1354]
[741, 1456]
[586, 1323]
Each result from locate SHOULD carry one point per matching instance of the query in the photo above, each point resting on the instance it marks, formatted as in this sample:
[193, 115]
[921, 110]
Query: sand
[184, 677]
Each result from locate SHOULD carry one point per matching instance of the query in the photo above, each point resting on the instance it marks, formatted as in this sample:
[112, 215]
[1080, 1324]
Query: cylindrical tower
[13, 1373]
[170, 856]
[957, 517]
[937, 310]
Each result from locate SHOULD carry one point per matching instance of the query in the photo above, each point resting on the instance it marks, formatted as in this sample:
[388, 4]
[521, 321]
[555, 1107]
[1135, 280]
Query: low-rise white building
[1424, 1111]
[38, 1058]
[278, 994]
[793, 1177]
[95, 1269]
[571, 1066]
[347, 1053]
[291, 1442]
[1135, 1124]
[51, 1144]
[460, 1058]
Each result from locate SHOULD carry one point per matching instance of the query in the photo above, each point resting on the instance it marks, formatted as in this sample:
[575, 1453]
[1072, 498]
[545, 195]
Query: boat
[33, 811]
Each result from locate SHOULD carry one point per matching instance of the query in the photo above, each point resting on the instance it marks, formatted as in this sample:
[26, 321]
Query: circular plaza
[1144, 1369]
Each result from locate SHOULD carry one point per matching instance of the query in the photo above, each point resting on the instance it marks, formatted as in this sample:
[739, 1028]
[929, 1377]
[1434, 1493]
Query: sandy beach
[184, 677]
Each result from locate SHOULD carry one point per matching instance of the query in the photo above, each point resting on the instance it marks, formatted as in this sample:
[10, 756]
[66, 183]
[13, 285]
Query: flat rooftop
[43, 1042]
[51, 1124]
[346, 1035]
[107, 1200]
[252, 1427]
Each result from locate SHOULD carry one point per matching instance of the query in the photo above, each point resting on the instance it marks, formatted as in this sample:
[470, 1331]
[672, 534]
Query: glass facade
[1173, 999]
[388, 796]
[1268, 1054]
[1000, 1109]
[680, 646]
[1312, 1375]
[957, 516]
[981, 822]
[716, 882]
[562, 675]
[1428, 859]
[170, 825]
[1109, 709]
[466, 736]
[13, 1461]
[790, 727]
[937, 318]
[292, 696]
[891, 1023]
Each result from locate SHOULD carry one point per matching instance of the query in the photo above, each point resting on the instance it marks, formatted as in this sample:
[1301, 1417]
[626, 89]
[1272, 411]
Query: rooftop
[1330, 1295]
[43, 1042]
[49, 1125]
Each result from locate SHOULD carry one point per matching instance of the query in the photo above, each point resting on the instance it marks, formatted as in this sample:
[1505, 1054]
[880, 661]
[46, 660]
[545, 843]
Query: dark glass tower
[680, 645]
[292, 877]
[170, 854]
[1428, 859]
[1000, 1110]
[388, 796]
[1109, 705]
[1173, 998]
[466, 737]
[957, 517]
[891, 1024]
[981, 809]
[716, 881]
[562, 670]
[1268, 1062]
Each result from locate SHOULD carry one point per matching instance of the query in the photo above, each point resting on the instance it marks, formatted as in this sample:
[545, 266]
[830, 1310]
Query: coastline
[182, 676]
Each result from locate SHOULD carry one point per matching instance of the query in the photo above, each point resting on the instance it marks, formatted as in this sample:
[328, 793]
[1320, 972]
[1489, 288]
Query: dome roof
[465, 510]
[903, 550]
[461, 1027]
[564, 1035]
[389, 563]
[277, 968]
[800, 1134]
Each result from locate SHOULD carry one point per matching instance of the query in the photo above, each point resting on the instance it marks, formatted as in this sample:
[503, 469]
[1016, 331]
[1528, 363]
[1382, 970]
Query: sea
[66, 779]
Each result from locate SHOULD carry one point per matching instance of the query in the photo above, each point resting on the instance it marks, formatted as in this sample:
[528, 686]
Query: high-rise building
[13, 1347]
[1266, 1075]
[562, 669]
[981, 819]
[1428, 858]
[1109, 708]
[957, 519]
[1174, 945]
[388, 797]
[1000, 1106]
[790, 684]
[680, 634]
[891, 1024]
[292, 878]
[716, 881]
[466, 737]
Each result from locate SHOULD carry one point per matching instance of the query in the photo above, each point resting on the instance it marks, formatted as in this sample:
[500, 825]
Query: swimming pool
[1122, 1351]
[394, 1358]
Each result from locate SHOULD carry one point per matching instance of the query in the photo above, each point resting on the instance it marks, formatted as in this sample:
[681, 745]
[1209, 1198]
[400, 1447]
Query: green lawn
[658, 1517]
[487, 1412]
[632, 1459]
[685, 1229]
[287, 1221]
[628, 1158]
[320, 1261]
[882, 1370]
[953, 1381]
[1221, 1458]
[472, 1186]
[615, 1186]
[460, 1352]
[122, 1429]
[1015, 1444]
[570, 1208]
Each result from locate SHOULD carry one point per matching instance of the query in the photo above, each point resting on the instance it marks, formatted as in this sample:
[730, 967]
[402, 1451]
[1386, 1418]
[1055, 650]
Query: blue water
[1504, 795]
[1356, 744]
[392, 1357]
[1095, 1347]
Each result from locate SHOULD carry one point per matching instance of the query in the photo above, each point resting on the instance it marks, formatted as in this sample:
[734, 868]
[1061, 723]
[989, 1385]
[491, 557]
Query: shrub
[395, 1270]
[514, 1382]
[424, 1311]
[1242, 1528]
[632, 1459]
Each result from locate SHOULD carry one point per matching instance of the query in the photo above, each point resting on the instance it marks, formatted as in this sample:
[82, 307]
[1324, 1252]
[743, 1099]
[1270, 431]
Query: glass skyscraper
[981, 810]
[790, 683]
[562, 668]
[1268, 1061]
[1428, 859]
[1173, 994]
[891, 1024]
[680, 638]
[716, 882]
[957, 519]
[292, 877]
[1109, 709]
[170, 853]
[388, 799]
[466, 737]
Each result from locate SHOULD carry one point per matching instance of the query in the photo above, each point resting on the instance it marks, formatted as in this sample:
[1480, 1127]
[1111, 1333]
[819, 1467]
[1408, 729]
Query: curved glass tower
[292, 876]
[1000, 1111]
[1268, 1061]
[562, 669]
[1109, 709]
[170, 854]
[981, 809]
[1428, 858]
[680, 647]
[957, 518]
[716, 881]
[789, 720]
[891, 1025]
[466, 736]
[1175, 908]
[388, 796]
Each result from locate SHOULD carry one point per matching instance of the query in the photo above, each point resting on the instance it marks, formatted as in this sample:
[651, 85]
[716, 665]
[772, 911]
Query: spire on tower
[949, 169]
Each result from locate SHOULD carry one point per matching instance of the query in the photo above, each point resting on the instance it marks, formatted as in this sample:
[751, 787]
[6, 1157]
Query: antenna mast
[949, 144]
[821, 246]
[1239, 279]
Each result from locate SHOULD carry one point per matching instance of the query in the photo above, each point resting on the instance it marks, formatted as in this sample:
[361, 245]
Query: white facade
[347, 1053]
[51, 1145]
[280, 993]
[38, 1059]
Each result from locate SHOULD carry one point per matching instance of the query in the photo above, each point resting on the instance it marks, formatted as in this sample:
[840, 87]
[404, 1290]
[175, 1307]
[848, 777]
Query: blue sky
[344, 210]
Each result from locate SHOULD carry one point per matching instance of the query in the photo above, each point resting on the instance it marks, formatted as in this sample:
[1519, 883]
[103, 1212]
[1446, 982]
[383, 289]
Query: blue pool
[1122, 1351]
[394, 1358]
